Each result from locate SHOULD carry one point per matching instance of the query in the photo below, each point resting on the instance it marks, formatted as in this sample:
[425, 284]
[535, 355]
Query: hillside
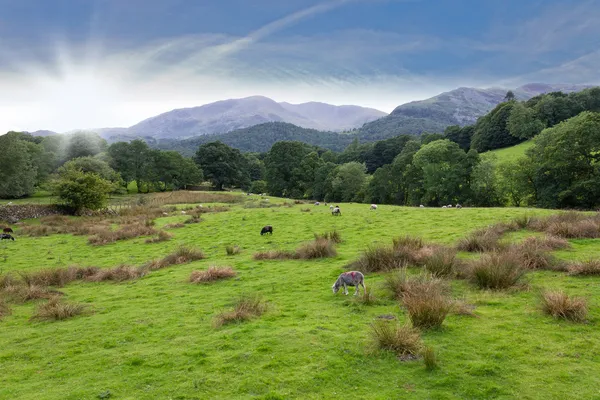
[461, 106]
[510, 154]
[259, 138]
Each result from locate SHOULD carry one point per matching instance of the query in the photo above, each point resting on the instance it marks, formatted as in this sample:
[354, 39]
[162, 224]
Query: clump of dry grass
[377, 259]
[559, 305]
[120, 273]
[305, 210]
[461, 307]
[212, 274]
[24, 293]
[275, 255]
[534, 255]
[442, 262]
[57, 276]
[4, 308]
[547, 243]
[55, 310]
[174, 225]
[182, 255]
[569, 224]
[161, 237]
[481, 240]
[232, 250]
[333, 236]
[497, 270]
[106, 236]
[194, 219]
[429, 358]
[402, 340]
[318, 248]
[400, 285]
[425, 309]
[7, 280]
[245, 308]
[367, 297]
[585, 268]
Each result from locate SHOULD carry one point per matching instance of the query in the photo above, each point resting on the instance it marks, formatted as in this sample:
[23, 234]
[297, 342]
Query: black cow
[6, 236]
[266, 229]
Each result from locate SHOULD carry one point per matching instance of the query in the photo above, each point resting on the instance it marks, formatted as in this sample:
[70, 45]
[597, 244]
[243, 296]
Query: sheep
[7, 230]
[352, 278]
[336, 211]
[373, 206]
[6, 236]
[266, 229]
[422, 206]
[317, 203]
[458, 206]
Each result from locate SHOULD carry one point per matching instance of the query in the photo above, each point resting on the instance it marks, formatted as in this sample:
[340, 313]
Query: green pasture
[153, 338]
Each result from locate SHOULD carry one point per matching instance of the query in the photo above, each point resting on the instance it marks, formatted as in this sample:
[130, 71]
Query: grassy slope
[511, 153]
[152, 338]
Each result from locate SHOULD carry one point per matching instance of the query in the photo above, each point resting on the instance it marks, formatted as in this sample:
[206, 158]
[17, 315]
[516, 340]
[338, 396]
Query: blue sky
[67, 64]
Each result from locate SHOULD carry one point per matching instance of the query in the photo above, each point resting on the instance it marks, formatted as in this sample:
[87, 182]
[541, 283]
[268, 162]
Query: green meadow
[154, 337]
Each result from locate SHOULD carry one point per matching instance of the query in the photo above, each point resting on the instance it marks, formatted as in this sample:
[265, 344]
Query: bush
[275, 255]
[55, 310]
[498, 270]
[481, 240]
[429, 358]
[212, 274]
[245, 308]
[426, 310]
[79, 190]
[442, 263]
[402, 340]
[586, 268]
[560, 305]
[377, 259]
[232, 250]
[318, 248]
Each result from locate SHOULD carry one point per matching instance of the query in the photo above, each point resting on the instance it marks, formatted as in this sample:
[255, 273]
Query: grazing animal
[449, 205]
[373, 206]
[336, 211]
[352, 278]
[331, 208]
[444, 207]
[7, 230]
[317, 203]
[266, 229]
[422, 206]
[458, 205]
[6, 236]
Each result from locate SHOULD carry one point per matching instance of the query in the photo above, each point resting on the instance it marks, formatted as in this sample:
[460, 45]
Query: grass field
[513, 153]
[153, 337]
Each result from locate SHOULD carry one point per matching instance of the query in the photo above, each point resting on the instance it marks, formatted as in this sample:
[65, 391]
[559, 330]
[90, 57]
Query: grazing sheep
[183, 212]
[458, 205]
[6, 236]
[7, 230]
[352, 278]
[373, 206]
[449, 205]
[336, 211]
[331, 208]
[422, 206]
[444, 207]
[317, 203]
[266, 229]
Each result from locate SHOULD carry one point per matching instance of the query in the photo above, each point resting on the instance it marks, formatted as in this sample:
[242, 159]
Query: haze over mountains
[460, 106]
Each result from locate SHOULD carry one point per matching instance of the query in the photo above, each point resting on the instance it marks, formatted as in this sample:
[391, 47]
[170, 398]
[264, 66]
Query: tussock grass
[120, 273]
[58, 277]
[245, 308]
[429, 358]
[56, 310]
[7, 280]
[497, 270]
[106, 236]
[585, 268]
[4, 308]
[480, 241]
[174, 225]
[367, 298]
[161, 237]
[333, 236]
[461, 307]
[212, 274]
[232, 250]
[182, 255]
[426, 310]
[25, 293]
[400, 285]
[442, 263]
[402, 340]
[275, 255]
[547, 243]
[318, 248]
[568, 225]
[533, 254]
[559, 305]
[307, 210]
[194, 219]
[377, 259]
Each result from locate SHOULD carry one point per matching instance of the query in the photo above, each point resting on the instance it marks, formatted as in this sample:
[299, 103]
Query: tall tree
[223, 165]
[523, 122]
[19, 172]
[133, 161]
[281, 165]
[491, 130]
[83, 144]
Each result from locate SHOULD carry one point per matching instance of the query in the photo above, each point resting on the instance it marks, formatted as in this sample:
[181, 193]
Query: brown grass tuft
[399, 284]
[4, 308]
[429, 358]
[533, 254]
[117, 274]
[174, 226]
[24, 293]
[585, 268]
[481, 240]
[275, 255]
[318, 248]
[212, 274]
[559, 305]
[402, 340]
[162, 237]
[333, 236]
[55, 310]
[232, 250]
[442, 262]
[547, 243]
[106, 236]
[377, 259]
[245, 308]
[182, 255]
[497, 270]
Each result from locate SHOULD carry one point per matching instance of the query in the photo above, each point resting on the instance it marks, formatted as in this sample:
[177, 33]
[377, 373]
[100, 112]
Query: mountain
[43, 133]
[460, 106]
[259, 138]
[229, 115]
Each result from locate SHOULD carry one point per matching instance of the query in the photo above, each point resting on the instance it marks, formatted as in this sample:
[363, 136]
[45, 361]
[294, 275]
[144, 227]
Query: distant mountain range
[230, 118]
[460, 106]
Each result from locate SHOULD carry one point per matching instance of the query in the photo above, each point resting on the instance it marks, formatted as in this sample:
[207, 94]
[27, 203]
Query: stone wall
[15, 213]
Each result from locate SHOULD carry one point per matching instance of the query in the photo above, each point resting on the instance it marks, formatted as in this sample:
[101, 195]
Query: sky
[81, 64]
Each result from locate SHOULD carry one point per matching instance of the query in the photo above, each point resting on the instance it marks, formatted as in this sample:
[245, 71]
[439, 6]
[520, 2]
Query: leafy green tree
[281, 163]
[382, 186]
[445, 172]
[348, 183]
[515, 183]
[80, 190]
[304, 175]
[223, 165]
[510, 96]
[491, 130]
[256, 167]
[407, 179]
[461, 136]
[18, 174]
[484, 190]
[523, 122]
[133, 161]
[173, 171]
[427, 137]
[322, 183]
[556, 107]
[93, 165]
[384, 151]
[83, 144]
[565, 163]
[258, 187]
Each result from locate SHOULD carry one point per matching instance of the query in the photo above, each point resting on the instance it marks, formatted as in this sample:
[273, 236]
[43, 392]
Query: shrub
[400, 285]
[55, 309]
[194, 219]
[333, 236]
[426, 310]
[117, 274]
[318, 248]
[523, 221]
[443, 262]
[79, 190]
[182, 255]
[212, 274]
[560, 305]
[429, 358]
[533, 255]
[547, 243]
[498, 270]
[162, 237]
[245, 308]
[232, 250]
[590, 267]
[377, 259]
[402, 340]
[481, 240]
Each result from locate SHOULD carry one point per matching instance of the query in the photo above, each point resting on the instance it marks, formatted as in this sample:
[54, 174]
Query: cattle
[6, 236]
[336, 211]
[266, 229]
[7, 230]
[373, 206]
[351, 278]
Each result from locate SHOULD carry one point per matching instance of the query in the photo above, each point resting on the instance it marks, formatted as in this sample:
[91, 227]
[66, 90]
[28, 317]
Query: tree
[19, 172]
[93, 165]
[407, 179]
[484, 184]
[491, 130]
[133, 161]
[223, 165]
[510, 96]
[322, 183]
[461, 136]
[381, 187]
[384, 151]
[523, 123]
[80, 190]
[445, 172]
[348, 183]
[565, 159]
[173, 171]
[256, 167]
[258, 187]
[515, 184]
[281, 163]
[83, 144]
